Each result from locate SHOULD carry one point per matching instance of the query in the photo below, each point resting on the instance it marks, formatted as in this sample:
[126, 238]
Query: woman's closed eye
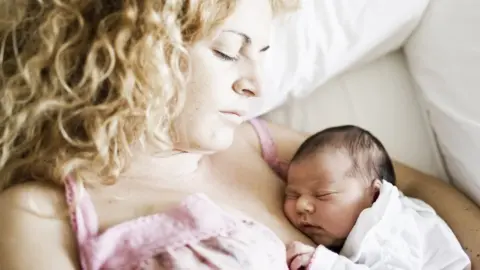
[224, 56]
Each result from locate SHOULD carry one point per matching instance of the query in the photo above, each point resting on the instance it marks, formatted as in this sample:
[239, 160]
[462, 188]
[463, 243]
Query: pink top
[197, 234]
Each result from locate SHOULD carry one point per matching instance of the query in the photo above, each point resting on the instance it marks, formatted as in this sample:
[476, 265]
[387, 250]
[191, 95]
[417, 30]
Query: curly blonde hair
[81, 80]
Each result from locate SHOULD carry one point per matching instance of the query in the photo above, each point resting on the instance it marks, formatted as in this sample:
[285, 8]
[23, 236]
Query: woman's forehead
[252, 19]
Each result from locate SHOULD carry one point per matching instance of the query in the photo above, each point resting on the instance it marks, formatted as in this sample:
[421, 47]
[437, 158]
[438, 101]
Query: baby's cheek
[334, 219]
[325, 213]
[289, 209]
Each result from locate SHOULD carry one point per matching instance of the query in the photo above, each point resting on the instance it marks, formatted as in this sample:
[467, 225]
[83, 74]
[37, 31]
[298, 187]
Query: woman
[95, 108]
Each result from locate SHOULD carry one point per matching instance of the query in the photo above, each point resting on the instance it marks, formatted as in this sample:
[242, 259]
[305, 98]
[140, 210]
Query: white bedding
[379, 97]
[327, 37]
[314, 47]
[444, 58]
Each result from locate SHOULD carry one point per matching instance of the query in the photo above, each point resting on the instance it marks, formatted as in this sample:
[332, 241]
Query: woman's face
[225, 77]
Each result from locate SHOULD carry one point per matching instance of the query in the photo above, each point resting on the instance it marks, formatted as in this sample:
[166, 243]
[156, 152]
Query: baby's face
[322, 200]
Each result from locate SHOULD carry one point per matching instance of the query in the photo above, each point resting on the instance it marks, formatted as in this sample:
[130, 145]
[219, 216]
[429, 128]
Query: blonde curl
[82, 80]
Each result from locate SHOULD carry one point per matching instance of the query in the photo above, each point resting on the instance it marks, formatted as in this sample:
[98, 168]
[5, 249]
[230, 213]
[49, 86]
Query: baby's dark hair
[369, 156]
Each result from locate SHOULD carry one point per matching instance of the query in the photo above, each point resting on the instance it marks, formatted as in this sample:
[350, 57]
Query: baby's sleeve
[424, 242]
[325, 259]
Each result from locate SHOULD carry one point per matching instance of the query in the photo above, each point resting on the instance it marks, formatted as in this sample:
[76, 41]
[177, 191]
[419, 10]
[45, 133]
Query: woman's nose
[304, 206]
[247, 87]
[249, 84]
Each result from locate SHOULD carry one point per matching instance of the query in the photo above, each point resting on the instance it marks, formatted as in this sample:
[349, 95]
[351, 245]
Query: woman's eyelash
[224, 56]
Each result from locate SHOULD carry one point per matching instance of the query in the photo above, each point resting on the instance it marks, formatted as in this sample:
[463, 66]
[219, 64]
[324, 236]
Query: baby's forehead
[328, 157]
[329, 168]
[322, 166]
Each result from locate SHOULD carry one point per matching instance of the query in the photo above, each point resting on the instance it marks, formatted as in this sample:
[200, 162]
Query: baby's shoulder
[418, 208]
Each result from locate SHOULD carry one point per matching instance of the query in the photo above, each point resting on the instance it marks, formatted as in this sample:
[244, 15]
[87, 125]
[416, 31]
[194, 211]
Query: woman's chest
[243, 248]
[196, 234]
[241, 184]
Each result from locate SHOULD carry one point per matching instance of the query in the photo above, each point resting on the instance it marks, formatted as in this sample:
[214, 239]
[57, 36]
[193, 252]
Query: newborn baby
[341, 193]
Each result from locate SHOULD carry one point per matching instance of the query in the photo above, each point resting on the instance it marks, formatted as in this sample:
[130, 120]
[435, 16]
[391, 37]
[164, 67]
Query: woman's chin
[213, 141]
[221, 140]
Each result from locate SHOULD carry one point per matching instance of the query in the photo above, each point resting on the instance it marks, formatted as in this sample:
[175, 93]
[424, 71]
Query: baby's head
[332, 178]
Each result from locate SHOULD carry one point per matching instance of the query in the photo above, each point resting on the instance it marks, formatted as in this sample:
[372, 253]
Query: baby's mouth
[311, 229]
[308, 227]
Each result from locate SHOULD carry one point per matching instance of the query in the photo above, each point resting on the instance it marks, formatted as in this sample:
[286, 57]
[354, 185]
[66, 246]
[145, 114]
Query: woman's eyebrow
[264, 49]
[246, 39]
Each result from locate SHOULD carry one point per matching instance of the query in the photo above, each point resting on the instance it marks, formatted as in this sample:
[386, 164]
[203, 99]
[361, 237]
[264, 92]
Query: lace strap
[83, 217]
[269, 149]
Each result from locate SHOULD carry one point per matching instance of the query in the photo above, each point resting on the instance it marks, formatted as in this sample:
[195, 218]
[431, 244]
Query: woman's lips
[233, 116]
[237, 113]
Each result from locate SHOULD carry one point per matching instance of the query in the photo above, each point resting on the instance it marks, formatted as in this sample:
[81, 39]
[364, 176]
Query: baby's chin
[329, 242]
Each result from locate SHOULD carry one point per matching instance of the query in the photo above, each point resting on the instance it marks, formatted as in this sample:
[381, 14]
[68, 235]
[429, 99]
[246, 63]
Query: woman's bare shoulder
[35, 198]
[35, 221]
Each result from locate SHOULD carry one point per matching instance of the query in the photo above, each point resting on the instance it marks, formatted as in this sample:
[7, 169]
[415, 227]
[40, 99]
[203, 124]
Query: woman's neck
[171, 165]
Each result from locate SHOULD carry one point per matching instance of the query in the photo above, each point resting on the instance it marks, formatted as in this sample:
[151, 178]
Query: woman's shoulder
[284, 139]
[34, 221]
[34, 198]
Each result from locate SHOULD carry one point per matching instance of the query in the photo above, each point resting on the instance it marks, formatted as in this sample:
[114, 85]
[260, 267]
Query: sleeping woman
[124, 141]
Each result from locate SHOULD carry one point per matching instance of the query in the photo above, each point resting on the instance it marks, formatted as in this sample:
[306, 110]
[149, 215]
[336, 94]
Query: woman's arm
[460, 213]
[34, 231]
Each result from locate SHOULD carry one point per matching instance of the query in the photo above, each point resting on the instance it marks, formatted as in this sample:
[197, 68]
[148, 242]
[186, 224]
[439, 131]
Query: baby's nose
[304, 206]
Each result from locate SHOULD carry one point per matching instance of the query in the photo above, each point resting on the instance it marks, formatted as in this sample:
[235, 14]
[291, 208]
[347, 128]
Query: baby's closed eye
[325, 196]
[291, 195]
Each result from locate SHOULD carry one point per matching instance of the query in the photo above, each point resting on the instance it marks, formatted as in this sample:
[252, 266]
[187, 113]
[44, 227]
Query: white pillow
[326, 37]
[444, 58]
[380, 97]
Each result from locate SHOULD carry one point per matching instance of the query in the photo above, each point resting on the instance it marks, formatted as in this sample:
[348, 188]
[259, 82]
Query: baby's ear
[376, 185]
[375, 188]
